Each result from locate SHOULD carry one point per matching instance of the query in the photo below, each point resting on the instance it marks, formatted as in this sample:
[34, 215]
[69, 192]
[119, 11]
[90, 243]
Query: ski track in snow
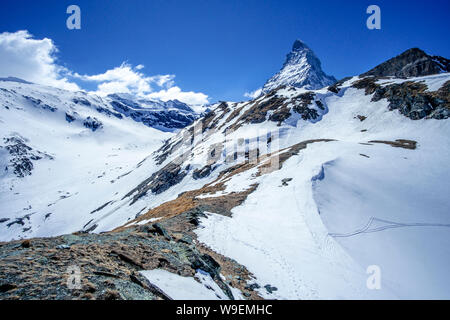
[389, 225]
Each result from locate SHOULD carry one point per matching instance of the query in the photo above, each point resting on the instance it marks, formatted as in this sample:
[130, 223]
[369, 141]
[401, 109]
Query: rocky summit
[411, 63]
[302, 69]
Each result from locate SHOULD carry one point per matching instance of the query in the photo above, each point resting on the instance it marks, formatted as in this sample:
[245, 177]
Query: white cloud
[253, 94]
[121, 79]
[189, 97]
[34, 60]
[126, 79]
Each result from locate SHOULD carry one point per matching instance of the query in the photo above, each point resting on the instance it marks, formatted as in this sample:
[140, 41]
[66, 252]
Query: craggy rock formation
[92, 123]
[167, 116]
[301, 69]
[159, 181]
[411, 98]
[110, 263]
[411, 63]
[21, 156]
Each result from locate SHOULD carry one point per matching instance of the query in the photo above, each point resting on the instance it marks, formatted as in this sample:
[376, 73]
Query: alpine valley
[300, 193]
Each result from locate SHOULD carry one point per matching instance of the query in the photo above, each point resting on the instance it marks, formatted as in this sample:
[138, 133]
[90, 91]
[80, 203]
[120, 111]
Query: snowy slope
[302, 68]
[299, 231]
[82, 156]
[310, 248]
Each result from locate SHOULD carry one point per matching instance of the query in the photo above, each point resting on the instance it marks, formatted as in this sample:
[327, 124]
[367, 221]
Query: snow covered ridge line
[219, 129]
[171, 115]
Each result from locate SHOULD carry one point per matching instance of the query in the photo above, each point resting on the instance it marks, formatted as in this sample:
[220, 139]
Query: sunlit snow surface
[185, 288]
[89, 169]
[348, 206]
[306, 239]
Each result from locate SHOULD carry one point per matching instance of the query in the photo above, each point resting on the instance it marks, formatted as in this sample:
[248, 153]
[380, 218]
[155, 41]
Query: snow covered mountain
[302, 69]
[58, 149]
[293, 195]
[163, 115]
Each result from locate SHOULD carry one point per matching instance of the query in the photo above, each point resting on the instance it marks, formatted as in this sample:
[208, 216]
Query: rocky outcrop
[21, 156]
[411, 63]
[109, 263]
[167, 116]
[158, 182]
[410, 98]
[92, 123]
[38, 103]
[202, 173]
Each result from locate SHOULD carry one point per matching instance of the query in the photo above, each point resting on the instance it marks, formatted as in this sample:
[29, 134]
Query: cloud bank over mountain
[35, 60]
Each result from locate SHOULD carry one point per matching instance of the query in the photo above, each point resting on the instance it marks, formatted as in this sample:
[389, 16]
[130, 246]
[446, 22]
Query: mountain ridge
[301, 68]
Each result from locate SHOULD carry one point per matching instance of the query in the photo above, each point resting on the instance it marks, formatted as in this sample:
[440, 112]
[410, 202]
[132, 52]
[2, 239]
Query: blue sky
[225, 48]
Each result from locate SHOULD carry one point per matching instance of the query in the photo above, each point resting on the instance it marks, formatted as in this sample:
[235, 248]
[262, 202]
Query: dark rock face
[259, 112]
[22, 156]
[81, 101]
[168, 115]
[337, 86]
[109, 113]
[92, 123]
[410, 98]
[270, 289]
[69, 118]
[301, 106]
[159, 181]
[202, 173]
[38, 103]
[411, 63]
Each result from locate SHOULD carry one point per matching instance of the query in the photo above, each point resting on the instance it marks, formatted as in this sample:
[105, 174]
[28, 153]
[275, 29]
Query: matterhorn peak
[299, 45]
[301, 69]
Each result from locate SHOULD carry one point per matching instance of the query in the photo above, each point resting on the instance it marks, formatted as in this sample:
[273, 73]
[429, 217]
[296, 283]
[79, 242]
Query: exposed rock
[167, 116]
[202, 173]
[258, 112]
[270, 289]
[252, 286]
[92, 123]
[5, 287]
[159, 181]
[109, 113]
[301, 106]
[336, 87]
[411, 98]
[301, 69]
[411, 63]
[81, 101]
[70, 118]
[38, 103]
[399, 143]
[361, 118]
[26, 244]
[160, 230]
[22, 156]
[111, 295]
